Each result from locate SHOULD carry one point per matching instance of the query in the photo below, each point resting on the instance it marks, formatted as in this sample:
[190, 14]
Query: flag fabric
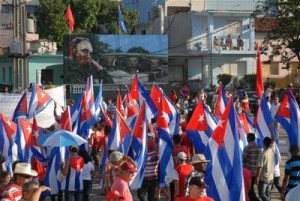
[8, 130]
[139, 145]
[138, 93]
[200, 127]
[122, 24]
[259, 75]
[224, 172]
[131, 111]
[86, 118]
[221, 102]
[38, 101]
[247, 122]
[98, 101]
[65, 122]
[23, 140]
[119, 104]
[167, 172]
[120, 135]
[156, 95]
[288, 115]
[75, 111]
[37, 133]
[56, 156]
[21, 109]
[69, 16]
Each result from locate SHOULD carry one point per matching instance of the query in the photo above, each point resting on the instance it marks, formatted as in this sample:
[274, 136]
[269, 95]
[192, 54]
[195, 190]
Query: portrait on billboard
[115, 59]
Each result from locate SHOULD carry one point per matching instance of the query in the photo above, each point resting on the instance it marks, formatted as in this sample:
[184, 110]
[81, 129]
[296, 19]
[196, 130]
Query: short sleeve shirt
[122, 187]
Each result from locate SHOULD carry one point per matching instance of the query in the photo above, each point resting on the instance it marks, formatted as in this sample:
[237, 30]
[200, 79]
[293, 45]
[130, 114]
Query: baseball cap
[112, 194]
[128, 166]
[85, 45]
[198, 181]
[199, 158]
[181, 155]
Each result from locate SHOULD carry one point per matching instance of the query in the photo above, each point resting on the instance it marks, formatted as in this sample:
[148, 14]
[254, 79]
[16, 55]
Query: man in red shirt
[22, 174]
[121, 183]
[196, 191]
[183, 169]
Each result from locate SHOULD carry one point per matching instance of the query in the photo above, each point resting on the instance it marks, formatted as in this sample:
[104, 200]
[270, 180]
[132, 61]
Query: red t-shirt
[247, 181]
[183, 171]
[122, 187]
[187, 198]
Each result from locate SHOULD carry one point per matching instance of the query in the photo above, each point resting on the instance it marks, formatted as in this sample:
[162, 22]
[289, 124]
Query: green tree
[224, 78]
[108, 18]
[91, 16]
[284, 38]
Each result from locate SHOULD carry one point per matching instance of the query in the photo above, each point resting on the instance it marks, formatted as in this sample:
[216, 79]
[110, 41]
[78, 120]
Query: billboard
[115, 59]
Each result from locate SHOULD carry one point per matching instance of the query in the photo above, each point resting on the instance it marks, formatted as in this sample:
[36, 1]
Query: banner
[9, 101]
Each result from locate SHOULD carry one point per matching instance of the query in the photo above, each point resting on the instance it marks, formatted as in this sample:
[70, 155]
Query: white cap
[181, 155]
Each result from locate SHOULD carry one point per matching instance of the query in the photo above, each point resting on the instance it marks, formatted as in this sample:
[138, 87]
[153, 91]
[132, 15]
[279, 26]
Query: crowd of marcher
[81, 167]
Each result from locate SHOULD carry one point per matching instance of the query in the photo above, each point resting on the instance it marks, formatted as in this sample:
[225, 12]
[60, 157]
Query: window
[234, 28]
[6, 8]
[271, 69]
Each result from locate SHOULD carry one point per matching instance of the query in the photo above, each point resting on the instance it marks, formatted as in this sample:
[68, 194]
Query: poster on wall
[115, 59]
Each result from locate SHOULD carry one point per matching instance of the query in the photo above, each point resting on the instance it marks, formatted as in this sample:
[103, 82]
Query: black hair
[85, 155]
[176, 139]
[267, 141]
[251, 137]
[107, 130]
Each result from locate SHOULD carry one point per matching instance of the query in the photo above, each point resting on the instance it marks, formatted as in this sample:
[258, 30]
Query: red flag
[120, 103]
[69, 16]
[259, 75]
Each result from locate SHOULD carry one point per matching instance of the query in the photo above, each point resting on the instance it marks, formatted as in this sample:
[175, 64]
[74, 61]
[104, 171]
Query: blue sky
[157, 44]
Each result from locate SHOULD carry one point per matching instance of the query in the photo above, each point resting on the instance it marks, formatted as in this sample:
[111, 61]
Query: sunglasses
[26, 176]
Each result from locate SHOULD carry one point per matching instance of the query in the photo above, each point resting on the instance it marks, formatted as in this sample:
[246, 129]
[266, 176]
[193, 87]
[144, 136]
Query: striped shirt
[250, 156]
[13, 192]
[292, 168]
[151, 170]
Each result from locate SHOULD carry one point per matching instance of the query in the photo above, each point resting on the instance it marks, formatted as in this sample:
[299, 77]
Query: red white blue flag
[38, 101]
[21, 109]
[200, 127]
[224, 172]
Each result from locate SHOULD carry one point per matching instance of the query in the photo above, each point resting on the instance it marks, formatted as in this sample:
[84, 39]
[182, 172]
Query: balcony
[194, 45]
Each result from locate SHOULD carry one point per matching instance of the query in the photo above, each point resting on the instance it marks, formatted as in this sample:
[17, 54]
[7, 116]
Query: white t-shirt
[86, 171]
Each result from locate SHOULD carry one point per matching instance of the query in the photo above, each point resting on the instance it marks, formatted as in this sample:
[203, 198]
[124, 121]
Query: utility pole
[20, 64]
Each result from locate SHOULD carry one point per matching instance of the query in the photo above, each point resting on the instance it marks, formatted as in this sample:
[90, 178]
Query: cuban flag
[37, 133]
[131, 111]
[21, 109]
[224, 172]
[119, 104]
[138, 93]
[247, 122]
[55, 157]
[165, 144]
[23, 140]
[288, 115]
[156, 95]
[139, 145]
[75, 111]
[200, 127]
[38, 101]
[263, 121]
[65, 122]
[8, 130]
[86, 118]
[120, 135]
[98, 101]
[221, 102]
[89, 91]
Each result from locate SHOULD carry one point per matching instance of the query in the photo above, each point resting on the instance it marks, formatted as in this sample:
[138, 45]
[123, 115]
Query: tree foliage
[91, 16]
[224, 78]
[284, 39]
